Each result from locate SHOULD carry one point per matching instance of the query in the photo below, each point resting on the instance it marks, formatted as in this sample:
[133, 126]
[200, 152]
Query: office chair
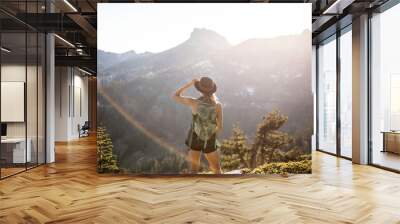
[84, 130]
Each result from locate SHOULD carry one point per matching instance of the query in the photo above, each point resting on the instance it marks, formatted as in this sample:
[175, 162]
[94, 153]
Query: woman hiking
[206, 123]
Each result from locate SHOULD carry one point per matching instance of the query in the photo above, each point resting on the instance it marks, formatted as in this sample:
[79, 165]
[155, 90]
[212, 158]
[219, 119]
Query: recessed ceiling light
[64, 40]
[70, 5]
[338, 6]
[5, 50]
[86, 72]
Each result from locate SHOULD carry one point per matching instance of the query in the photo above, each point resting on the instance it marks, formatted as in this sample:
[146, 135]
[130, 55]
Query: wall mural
[204, 88]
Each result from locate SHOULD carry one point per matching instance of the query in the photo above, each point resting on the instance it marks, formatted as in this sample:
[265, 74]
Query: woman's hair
[211, 97]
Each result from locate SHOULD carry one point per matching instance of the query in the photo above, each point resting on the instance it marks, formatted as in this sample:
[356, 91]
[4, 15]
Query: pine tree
[235, 151]
[269, 152]
[276, 140]
[106, 160]
[268, 139]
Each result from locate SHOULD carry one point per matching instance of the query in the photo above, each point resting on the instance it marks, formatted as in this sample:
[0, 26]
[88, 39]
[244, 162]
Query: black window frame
[333, 37]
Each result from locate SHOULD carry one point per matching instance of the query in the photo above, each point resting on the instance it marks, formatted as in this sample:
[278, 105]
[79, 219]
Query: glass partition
[31, 99]
[346, 93]
[14, 153]
[327, 96]
[22, 88]
[385, 89]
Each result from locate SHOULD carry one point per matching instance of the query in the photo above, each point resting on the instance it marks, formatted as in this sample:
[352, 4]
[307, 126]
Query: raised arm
[219, 118]
[182, 99]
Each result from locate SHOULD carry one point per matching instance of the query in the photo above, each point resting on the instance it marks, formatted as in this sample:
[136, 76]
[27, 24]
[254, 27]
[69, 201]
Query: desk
[391, 141]
[15, 148]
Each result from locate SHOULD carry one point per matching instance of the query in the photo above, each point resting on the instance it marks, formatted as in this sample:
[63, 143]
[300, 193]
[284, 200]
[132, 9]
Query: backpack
[205, 120]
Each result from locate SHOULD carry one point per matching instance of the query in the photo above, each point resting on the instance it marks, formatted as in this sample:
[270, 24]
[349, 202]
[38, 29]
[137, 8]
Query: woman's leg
[194, 160]
[213, 161]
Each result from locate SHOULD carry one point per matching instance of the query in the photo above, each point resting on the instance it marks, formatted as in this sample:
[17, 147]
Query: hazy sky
[157, 27]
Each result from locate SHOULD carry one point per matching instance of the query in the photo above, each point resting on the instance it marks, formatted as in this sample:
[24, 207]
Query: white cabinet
[19, 154]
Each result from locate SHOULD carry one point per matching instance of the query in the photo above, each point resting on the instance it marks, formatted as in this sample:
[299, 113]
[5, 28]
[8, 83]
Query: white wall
[80, 104]
[71, 94]
[12, 73]
[33, 127]
[62, 81]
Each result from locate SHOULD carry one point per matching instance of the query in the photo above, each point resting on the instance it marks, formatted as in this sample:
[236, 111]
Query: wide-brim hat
[206, 86]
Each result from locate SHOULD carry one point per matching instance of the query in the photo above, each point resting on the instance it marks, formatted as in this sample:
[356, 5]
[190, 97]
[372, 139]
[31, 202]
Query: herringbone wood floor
[70, 191]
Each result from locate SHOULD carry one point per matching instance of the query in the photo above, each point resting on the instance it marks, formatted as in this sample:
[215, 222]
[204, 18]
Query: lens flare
[137, 125]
